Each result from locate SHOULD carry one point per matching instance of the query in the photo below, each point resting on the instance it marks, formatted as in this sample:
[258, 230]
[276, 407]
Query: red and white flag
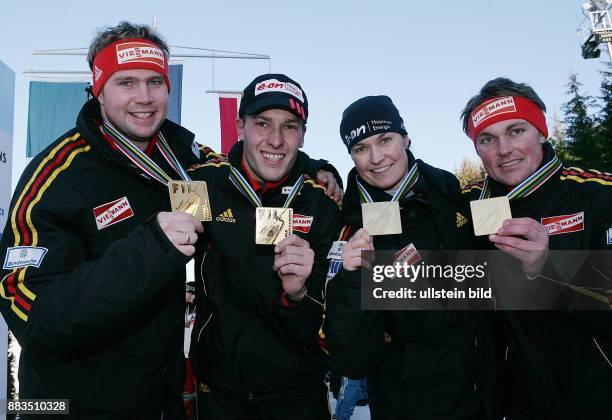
[228, 111]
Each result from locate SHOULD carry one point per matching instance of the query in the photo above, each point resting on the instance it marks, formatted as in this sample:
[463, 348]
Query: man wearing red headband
[557, 363]
[93, 274]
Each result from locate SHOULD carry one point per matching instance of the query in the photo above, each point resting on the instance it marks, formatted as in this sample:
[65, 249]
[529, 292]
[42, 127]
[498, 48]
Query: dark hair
[499, 87]
[124, 29]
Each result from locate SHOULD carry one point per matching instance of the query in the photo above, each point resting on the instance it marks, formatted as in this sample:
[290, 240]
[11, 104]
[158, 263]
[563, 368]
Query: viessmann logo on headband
[138, 52]
[492, 108]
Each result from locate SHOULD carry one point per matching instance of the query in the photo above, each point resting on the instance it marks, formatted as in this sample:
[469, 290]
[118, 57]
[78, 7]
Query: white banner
[7, 103]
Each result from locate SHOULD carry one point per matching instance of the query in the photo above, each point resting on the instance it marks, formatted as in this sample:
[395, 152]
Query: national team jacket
[248, 336]
[437, 363]
[559, 362]
[90, 285]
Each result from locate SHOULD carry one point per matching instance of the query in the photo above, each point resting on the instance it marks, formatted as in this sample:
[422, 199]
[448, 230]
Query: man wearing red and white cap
[557, 363]
[93, 275]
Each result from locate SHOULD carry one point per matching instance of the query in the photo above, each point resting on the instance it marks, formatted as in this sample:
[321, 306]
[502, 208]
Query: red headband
[505, 108]
[127, 54]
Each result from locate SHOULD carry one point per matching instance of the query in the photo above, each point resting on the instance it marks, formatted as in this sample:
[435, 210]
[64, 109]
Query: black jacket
[558, 363]
[100, 315]
[248, 337]
[432, 365]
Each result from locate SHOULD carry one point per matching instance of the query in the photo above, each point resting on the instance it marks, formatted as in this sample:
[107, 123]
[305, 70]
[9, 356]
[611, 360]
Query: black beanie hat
[273, 91]
[368, 116]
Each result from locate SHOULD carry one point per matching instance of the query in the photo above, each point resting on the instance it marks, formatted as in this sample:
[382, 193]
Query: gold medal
[381, 218]
[190, 197]
[272, 224]
[489, 214]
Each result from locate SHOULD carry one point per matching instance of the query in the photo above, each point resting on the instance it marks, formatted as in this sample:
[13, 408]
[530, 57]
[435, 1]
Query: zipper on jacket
[205, 293]
[602, 352]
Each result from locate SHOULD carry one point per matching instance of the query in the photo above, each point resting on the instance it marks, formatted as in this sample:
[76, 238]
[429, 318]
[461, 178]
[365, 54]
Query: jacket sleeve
[55, 301]
[599, 323]
[302, 320]
[355, 337]
[314, 166]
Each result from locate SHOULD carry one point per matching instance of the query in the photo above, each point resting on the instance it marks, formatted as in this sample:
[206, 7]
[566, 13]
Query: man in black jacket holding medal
[93, 274]
[260, 267]
[558, 362]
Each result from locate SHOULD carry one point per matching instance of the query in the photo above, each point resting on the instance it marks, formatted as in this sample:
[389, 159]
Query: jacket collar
[351, 204]
[299, 167]
[498, 189]
[179, 138]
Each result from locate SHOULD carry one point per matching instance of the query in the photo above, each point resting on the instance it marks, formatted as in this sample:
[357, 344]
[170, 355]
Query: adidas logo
[226, 216]
[97, 73]
[461, 220]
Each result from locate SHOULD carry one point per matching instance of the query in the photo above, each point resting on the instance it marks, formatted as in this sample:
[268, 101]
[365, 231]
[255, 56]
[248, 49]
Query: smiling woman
[381, 159]
[398, 350]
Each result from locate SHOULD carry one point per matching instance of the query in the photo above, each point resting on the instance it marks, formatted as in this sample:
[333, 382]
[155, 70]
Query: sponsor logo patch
[492, 108]
[609, 234]
[138, 52]
[287, 190]
[24, 256]
[335, 252]
[408, 255]
[461, 220]
[227, 216]
[111, 213]
[557, 225]
[334, 267]
[302, 223]
[273, 85]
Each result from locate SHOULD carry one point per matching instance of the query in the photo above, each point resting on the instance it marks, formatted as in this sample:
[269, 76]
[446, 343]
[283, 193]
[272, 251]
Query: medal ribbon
[245, 188]
[406, 185]
[528, 186]
[141, 160]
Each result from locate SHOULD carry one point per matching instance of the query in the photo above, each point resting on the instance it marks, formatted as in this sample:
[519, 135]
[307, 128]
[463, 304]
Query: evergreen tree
[579, 133]
[469, 172]
[603, 132]
[558, 141]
